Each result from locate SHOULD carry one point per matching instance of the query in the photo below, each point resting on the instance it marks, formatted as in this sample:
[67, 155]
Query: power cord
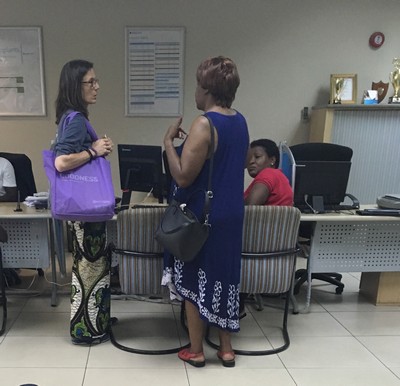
[309, 205]
[147, 196]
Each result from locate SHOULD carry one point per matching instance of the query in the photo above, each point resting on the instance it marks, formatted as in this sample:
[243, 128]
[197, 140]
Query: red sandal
[192, 358]
[226, 362]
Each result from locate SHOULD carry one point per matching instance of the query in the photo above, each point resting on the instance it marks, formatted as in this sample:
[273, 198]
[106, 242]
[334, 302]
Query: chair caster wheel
[113, 321]
[339, 290]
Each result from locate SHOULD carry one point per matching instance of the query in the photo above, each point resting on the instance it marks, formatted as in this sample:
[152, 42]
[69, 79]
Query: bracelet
[94, 151]
[90, 154]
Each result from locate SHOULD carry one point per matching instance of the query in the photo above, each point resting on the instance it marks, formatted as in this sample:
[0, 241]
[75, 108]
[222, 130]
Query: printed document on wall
[154, 71]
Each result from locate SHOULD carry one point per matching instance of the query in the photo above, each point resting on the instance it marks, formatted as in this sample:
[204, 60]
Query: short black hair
[270, 148]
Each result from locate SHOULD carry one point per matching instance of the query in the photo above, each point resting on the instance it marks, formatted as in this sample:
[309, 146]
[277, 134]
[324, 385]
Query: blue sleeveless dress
[211, 281]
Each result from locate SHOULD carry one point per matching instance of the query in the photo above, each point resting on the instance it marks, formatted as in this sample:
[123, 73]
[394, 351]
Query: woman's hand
[174, 131]
[186, 167]
[103, 146]
[100, 148]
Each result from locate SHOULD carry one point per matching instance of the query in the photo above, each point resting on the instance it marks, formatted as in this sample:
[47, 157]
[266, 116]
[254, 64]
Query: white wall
[285, 51]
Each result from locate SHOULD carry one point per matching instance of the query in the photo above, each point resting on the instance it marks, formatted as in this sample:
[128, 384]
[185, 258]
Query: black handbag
[180, 231]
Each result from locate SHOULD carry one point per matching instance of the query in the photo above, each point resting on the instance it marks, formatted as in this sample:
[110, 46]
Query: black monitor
[140, 170]
[320, 185]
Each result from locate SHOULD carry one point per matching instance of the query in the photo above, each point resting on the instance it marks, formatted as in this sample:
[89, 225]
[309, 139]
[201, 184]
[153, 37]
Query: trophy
[339, 83]
[381, 88]
[395, 80]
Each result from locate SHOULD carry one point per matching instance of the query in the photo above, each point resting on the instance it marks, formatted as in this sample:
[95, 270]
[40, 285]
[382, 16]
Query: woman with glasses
[90, 292]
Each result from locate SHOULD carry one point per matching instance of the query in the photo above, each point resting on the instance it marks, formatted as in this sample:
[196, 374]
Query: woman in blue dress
[209, 285]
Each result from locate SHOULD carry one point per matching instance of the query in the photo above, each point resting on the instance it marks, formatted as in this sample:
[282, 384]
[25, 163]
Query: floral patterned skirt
[90, 291]
[218, 305]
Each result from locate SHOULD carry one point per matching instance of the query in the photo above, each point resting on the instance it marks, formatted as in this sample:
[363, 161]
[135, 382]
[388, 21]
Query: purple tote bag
[82, 194]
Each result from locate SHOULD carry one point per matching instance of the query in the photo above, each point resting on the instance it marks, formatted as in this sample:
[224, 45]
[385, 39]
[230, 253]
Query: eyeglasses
[92, 82]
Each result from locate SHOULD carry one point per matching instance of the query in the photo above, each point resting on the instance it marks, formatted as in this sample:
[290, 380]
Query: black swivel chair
[318, 151]
[23, 173]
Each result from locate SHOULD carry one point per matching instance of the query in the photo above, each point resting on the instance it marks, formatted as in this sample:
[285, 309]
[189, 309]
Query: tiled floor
[344, 340]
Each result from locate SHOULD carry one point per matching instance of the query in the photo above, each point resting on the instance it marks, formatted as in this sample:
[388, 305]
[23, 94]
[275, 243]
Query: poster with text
[154, 71]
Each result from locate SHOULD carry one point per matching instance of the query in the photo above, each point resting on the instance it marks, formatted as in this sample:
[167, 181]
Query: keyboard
[328, 208]
[336, 208]
[146, 206]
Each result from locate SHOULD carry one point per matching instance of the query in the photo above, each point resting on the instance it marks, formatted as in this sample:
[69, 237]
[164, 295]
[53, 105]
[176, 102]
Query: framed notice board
[154, 71]
[21, 71]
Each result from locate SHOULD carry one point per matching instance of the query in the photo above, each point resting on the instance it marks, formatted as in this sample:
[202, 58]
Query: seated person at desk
[269, 186]
[8, 185]
[8, 193]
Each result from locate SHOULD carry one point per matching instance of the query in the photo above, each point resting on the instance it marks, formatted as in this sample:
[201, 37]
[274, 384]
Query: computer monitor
[140, 170]
[320, 184]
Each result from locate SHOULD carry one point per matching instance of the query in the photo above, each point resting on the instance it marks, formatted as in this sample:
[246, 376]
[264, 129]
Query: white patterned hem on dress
[167, 281]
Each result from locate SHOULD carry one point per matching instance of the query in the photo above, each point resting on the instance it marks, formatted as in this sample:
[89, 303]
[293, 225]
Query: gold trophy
[395, 79]
[339, 83]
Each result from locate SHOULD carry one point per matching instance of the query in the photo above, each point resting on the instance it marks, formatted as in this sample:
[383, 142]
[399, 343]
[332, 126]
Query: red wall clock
[376, 39]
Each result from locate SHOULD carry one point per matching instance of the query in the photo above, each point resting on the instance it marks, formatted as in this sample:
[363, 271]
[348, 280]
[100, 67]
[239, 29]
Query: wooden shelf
[382, 288]
[351, 107]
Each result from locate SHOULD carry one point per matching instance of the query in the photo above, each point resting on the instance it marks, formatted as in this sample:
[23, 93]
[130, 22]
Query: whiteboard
[21, 71]
[154, 71]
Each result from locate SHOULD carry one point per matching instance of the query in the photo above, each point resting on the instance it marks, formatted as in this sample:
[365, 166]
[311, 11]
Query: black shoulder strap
[209, 193]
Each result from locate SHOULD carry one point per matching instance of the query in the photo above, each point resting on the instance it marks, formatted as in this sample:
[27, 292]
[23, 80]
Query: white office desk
[352, 243]
[30, 240]
[34, 239]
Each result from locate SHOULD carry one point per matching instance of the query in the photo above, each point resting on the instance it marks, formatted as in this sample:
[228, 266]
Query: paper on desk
[36, 198]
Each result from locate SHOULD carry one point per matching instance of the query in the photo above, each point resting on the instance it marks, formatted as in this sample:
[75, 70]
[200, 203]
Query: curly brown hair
[219, 75]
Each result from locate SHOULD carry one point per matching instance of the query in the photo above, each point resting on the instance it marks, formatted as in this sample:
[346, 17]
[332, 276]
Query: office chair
[3, 299]
[287, 163]
[318, 151]
[141, 257]
[269, 252]
[23, 173]
[141, 260]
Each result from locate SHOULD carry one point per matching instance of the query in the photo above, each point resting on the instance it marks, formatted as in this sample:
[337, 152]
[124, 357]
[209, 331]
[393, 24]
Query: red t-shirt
[280, 191]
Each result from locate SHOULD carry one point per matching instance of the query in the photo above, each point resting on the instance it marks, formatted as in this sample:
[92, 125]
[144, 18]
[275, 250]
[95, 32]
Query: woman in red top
[270, 186]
